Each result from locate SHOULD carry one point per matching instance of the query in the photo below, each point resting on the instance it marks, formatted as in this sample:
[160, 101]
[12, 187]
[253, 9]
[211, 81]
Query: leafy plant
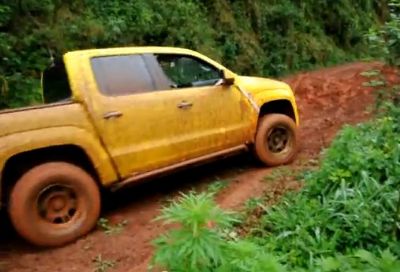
[217, 186]
[385, 40]
[304, 229]
[202, 240]
[104, 224]
[361, 261]
[196, 244]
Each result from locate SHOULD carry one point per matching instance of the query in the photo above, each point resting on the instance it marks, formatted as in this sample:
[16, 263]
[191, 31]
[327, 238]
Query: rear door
[141, 125]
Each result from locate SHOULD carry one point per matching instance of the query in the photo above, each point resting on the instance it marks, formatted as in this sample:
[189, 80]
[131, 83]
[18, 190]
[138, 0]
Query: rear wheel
[54, 203]
[276, 139]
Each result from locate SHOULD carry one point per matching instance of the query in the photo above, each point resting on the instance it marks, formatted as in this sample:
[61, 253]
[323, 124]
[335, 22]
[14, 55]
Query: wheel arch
[58, 143]
[282, 106]
[18, 164]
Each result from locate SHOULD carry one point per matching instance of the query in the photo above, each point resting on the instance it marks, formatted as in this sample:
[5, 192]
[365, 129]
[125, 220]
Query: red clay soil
[327, 99]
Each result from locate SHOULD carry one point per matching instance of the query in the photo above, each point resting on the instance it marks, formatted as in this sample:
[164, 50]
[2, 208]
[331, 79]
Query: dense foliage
[346, 218]
[385, 40]
[255, 37]
[350, 203]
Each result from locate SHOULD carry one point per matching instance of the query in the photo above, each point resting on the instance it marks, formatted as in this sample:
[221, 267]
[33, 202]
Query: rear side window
[122, 75]
[55, 84]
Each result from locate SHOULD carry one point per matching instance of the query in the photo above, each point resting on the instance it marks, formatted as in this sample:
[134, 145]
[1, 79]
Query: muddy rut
[327, 99]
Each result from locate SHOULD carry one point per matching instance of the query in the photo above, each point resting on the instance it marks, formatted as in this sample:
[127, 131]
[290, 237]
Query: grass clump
[111, 229]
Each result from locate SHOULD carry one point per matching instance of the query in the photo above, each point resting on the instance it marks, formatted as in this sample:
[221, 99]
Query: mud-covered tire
[276, 141]
[54, 203]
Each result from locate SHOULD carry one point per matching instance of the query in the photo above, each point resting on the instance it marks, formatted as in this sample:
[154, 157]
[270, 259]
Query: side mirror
[227, 79]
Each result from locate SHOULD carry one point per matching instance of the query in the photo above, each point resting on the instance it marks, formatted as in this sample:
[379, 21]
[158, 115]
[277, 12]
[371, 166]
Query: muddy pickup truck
[116, 116]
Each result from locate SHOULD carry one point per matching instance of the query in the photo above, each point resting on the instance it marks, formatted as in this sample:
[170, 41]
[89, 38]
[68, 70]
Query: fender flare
[60, 136]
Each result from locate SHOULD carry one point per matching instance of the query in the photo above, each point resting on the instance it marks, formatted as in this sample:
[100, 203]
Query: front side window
[185, 71]
[122, 75]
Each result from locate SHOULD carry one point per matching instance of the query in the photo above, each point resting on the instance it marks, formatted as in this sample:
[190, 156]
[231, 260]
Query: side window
[122, 75]
[185, 71]
[55, 84]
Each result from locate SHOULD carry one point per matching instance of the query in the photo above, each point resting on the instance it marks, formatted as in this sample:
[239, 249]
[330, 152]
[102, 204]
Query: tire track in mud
[326, 99]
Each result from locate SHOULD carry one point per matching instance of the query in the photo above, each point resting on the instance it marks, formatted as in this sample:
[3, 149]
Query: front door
[215, 116]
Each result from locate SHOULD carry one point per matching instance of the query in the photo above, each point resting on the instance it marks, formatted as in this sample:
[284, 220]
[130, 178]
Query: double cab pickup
[116, 116]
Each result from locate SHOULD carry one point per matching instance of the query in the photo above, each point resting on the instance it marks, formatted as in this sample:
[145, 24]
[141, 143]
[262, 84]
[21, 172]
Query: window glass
[185, 71]
[55, 84]
[122, 75]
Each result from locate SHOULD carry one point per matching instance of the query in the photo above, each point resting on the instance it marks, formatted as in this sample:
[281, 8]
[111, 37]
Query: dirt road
[327, 99]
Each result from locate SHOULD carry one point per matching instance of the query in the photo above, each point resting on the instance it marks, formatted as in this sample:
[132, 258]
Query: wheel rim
[279, 140]
[57, 204]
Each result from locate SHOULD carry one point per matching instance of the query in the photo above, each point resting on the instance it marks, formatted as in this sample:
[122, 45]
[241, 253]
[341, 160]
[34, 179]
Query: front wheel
[54, 203]
[276, 140]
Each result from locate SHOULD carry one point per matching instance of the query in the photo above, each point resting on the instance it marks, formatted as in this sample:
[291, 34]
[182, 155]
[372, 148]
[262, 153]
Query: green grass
[279, 173]
[371, 73]
[218, 185]
[109, 229]
[374, 83]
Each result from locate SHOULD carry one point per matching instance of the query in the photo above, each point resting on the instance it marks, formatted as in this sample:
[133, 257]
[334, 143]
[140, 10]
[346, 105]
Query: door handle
[112, 115]
[184, 105]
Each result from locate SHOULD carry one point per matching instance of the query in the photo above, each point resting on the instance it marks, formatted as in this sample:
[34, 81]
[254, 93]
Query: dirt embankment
[327, 99]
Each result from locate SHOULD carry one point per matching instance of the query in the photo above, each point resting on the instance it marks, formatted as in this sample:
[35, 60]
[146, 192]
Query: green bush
[304, 229]
[385, 41]
[195, 245]
[370, 149]
[202, 240]
[269, 38]
[361, 261]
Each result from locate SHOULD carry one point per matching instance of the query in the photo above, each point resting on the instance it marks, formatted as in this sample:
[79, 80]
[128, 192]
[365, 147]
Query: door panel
[216, 119]
[148, 135]
[136, 121]
[219, 116]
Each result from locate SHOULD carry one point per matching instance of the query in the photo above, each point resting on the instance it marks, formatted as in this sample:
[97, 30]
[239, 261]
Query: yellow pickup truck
[115, 116]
